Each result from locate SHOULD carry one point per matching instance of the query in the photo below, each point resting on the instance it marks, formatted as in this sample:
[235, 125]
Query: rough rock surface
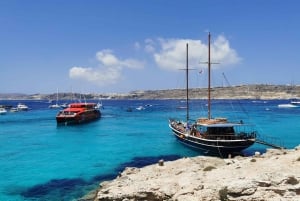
[274, 176]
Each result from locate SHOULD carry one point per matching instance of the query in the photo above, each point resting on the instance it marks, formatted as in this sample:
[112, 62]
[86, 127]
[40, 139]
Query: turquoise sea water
[42, 161]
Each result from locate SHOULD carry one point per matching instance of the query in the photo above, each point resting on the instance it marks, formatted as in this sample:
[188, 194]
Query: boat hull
[213, 147]
[79, 118]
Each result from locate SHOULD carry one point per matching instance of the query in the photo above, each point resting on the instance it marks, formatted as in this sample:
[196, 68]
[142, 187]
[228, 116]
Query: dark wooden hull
[79, 118]
[213, 147]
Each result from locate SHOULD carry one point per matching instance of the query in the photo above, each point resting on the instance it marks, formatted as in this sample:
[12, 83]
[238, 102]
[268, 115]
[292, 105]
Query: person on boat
[186, 126]
[194, 130]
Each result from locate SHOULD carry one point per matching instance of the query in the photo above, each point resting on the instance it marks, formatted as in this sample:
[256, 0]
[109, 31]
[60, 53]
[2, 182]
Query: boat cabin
[220, 129]
[83, 105]
[228, 130]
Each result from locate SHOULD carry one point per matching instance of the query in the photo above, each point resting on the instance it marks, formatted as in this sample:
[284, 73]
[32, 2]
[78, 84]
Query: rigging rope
[239, 102]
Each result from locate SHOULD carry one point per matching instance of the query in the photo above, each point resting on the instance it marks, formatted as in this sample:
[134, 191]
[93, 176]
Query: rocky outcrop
[272, 176]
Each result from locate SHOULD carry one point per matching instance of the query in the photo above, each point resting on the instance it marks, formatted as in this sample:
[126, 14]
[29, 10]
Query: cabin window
[220, 130]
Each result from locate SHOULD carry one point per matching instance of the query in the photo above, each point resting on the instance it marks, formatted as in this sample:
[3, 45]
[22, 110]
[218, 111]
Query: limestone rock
[272, 176]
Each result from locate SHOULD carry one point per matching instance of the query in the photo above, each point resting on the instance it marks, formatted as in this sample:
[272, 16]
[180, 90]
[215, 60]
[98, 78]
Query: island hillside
[258, 91]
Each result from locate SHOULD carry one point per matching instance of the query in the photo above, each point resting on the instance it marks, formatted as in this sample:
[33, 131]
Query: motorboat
[2, 111]
[22, 107]
[288, 105]
[77, 113]
[54, 106]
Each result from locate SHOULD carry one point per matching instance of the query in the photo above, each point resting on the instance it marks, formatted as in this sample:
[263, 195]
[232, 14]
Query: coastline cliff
[258, 91]
[272, 176]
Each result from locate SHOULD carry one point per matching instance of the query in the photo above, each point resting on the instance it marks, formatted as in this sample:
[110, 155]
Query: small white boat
[288, 105]
[64, 105]
[22, 107]
[54, 106]
[296, 102]
[140, 108]
[13, 109]
[3, 111]
[99, 105]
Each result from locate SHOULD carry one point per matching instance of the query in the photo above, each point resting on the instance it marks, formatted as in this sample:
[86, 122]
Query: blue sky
[116, 46]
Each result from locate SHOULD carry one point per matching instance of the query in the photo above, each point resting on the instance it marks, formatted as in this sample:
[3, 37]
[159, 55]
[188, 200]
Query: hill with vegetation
[259, 91]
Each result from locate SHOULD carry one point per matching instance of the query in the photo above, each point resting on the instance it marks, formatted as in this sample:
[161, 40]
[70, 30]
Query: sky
[119, 46]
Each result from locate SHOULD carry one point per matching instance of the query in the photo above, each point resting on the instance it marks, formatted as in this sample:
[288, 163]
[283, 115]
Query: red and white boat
[77, 113]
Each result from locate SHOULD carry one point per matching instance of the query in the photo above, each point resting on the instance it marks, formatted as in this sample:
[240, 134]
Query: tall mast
[187, 82]
[209, 64]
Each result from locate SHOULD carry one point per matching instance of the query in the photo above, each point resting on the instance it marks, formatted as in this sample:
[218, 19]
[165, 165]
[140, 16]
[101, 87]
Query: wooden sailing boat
[212, 135]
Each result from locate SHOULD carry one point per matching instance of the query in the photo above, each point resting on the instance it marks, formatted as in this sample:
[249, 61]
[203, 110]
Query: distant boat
[140, 108]
[288, 105]
[7, 107]
[2, 111]
[55, 106]
[22, 107]
[13, 109]
[181, 107]
[212, 135]
[99, 105]
[77, 113]
[64, 105]
[295, 102]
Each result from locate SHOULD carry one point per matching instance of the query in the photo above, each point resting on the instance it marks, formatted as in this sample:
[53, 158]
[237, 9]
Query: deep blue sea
[42, 161]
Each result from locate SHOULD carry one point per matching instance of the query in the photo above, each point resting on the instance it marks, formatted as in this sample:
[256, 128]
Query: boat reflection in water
[77, 113]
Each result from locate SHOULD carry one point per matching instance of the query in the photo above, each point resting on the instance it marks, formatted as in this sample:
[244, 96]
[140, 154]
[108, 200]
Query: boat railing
[66, 113]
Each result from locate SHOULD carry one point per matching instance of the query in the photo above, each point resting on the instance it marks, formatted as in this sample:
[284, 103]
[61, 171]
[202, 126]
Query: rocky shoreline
[272, 176]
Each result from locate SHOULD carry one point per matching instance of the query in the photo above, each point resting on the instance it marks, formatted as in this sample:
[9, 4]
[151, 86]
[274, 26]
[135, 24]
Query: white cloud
[132, 63]
[149, 47]
[107, 58]
[97, 76]
[169, 54]
[172, 53]
[222, 52]
[109, 70]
